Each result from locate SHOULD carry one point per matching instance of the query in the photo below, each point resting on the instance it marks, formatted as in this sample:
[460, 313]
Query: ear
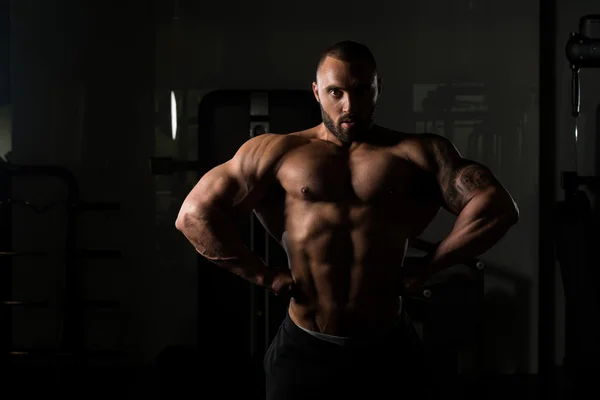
[379, 86]
[315, 90]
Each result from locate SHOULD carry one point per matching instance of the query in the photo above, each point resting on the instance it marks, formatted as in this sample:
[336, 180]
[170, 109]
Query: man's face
[347, 94]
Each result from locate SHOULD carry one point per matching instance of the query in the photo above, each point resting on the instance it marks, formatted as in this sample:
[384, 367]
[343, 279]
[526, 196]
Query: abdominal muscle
[348, 268]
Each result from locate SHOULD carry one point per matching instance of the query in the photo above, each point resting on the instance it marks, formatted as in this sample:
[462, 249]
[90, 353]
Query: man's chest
[364, 175]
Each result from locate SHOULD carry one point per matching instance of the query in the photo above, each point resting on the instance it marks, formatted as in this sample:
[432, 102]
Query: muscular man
[345, 198]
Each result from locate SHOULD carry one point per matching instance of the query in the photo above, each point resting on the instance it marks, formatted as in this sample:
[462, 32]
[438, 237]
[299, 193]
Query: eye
[335, 92]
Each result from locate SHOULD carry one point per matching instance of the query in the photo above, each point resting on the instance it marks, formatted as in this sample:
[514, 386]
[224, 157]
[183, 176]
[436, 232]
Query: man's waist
[347, 322]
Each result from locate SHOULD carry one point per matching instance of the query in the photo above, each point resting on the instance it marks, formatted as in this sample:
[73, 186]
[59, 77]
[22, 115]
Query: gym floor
[188, 381]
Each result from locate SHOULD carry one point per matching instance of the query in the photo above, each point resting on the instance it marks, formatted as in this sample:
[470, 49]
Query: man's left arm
[485, 210]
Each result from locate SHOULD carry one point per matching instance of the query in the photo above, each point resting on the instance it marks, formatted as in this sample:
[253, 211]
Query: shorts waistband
[317, 339]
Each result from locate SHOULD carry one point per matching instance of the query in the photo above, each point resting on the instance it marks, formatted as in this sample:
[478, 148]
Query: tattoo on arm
[441, 154]
[459, 177]
[473, 177]
[451, 194]
[464, 181]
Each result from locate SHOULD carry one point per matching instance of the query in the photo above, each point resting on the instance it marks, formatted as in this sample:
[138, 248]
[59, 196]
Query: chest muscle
[366, 176]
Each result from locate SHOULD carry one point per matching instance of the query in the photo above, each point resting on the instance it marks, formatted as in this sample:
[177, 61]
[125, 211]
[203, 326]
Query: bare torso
[344, 216]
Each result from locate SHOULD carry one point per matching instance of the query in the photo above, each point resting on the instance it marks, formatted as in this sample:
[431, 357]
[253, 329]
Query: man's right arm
[209, 213]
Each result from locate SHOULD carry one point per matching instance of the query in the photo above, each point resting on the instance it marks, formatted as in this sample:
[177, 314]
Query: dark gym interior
[111, 111]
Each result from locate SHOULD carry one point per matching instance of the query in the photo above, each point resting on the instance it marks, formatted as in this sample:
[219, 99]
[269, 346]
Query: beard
[348, 135]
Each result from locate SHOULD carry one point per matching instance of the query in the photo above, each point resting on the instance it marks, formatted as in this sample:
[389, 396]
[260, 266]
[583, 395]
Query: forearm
[479, 226]
[215, 235]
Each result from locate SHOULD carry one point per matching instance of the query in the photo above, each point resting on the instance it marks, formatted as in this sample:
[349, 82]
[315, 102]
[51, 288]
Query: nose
[349, 104]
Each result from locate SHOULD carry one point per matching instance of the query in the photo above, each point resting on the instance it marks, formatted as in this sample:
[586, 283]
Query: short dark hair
[348, 51]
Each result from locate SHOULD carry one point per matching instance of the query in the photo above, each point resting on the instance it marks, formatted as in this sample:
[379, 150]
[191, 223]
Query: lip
[348, 124]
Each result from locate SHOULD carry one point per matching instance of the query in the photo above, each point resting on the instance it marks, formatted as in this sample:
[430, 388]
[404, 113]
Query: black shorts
[301, 366]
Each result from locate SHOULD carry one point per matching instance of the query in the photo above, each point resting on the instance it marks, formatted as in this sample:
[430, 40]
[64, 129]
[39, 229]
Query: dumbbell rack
[71, 353]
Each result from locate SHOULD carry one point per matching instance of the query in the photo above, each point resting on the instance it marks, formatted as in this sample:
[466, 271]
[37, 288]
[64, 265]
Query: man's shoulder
[269, 149]
[277, 141]
[402, 138]
[403, 141]
[419, 148]
[423, 140]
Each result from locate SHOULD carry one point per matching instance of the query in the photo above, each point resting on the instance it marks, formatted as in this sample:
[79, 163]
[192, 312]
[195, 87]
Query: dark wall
[82, 94]
[4, 60]
[84, 76]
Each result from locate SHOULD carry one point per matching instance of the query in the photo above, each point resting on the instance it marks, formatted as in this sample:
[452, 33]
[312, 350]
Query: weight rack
[71, 350]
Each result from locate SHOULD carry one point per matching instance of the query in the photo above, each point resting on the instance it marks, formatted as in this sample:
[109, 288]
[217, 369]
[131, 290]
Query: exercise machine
[576, 233]
[71, 351]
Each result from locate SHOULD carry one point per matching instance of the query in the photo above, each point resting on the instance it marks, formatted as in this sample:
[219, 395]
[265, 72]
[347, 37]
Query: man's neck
[325, 134]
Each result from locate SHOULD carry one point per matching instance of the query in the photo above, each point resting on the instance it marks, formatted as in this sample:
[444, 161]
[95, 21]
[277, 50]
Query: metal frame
[72, 340]
[72, 346]
[259, 124]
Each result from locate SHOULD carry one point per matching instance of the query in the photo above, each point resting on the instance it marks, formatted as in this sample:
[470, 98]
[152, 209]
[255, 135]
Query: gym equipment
[71, 353]
[583, 51]
[576, 234]
[421, 244]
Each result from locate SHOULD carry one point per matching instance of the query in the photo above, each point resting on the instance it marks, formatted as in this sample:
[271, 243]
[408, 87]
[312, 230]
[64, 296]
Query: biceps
[461, 184]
